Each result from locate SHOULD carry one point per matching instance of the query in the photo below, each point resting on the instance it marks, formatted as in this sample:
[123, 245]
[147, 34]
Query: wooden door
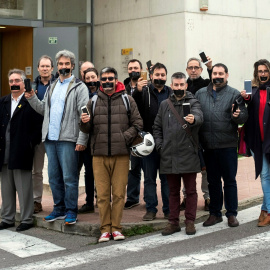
[17, 52]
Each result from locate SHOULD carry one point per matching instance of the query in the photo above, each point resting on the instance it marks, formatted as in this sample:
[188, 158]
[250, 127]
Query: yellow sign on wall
[128, 51]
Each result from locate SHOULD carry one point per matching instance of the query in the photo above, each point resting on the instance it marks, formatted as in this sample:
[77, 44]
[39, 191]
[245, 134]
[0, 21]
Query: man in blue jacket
[45, 78]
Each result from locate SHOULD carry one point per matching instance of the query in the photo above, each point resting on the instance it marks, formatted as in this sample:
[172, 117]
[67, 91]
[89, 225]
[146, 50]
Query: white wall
[234, 32]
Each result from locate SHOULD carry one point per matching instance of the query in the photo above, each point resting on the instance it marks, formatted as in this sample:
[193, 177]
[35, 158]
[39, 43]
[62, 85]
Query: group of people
[50, 119]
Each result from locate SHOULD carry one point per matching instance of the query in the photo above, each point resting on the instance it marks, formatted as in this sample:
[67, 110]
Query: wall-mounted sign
[28, 70]
[52, 40]
[126, 55]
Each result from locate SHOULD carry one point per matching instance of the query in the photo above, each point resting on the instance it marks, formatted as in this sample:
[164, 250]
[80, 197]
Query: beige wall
[235, 32]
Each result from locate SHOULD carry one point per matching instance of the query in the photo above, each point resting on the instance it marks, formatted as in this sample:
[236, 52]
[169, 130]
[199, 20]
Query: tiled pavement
[249, 193]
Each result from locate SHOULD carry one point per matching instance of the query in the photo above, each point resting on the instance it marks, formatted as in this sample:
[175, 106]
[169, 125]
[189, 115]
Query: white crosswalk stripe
[24, 246]
[221, 253]
[142, 244]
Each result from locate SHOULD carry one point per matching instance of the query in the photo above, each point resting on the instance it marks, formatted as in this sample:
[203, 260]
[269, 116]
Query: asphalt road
[216, 247]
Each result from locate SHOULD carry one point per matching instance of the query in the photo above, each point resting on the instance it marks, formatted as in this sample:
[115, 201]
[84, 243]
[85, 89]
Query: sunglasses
[110, 79]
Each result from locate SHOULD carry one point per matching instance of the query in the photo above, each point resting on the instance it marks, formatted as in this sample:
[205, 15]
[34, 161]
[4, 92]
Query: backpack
[125, 101]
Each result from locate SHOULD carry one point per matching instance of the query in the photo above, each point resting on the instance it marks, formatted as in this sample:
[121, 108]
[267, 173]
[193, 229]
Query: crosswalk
[219, 254]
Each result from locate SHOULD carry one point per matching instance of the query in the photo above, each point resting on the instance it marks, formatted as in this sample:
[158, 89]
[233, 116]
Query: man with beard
[134, 175]
[223, 110]
[195, 82]
[178, 151]
[112, 132]
[20, 132]
[61, 108]
[45, 78]
[148, 100]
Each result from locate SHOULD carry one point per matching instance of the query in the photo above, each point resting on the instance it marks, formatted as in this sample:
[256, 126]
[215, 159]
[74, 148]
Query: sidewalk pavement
[249, 194]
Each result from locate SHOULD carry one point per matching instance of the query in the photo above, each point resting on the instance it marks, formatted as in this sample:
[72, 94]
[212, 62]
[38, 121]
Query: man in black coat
[148, 100]
[134, 175]
[20, 131]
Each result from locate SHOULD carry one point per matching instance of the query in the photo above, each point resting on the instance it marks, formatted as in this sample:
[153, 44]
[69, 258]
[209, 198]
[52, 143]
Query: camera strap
[182, 122]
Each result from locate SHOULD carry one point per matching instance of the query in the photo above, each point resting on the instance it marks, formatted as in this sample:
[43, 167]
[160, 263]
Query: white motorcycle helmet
[143, 145]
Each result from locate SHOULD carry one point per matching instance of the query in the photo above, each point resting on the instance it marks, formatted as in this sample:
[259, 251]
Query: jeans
[63, 175]
[222, 163]
[150, 165]
[265, 182]
[134, 180]
[85, 159]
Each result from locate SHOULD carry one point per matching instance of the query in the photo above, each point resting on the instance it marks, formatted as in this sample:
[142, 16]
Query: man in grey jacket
[61, 108]
[223, 110]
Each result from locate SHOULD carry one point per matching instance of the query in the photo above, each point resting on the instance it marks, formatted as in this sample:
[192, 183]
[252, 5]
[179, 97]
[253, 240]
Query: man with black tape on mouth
[219, 137]
[131, 83]
[148, 99]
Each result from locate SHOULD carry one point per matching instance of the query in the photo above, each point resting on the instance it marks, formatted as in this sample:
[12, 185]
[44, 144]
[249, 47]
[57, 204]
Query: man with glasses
[20, 132]
[112, 132]
[61, 108]
[195, 82]
[45, 78]
[219, 137]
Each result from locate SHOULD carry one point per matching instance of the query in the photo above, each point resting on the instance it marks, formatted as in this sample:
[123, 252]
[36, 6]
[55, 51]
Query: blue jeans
[150, 166]
[265, 182]
[134, 179]
[222, 163]
[63, 175]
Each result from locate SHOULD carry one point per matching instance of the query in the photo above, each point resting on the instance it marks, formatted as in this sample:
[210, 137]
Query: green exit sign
[52, 40]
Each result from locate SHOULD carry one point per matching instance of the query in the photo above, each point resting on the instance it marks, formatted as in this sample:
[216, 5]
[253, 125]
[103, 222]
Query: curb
[88, 229]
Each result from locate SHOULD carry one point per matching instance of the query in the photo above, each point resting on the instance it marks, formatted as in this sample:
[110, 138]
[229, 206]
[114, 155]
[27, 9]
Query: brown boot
[170, 229]
[265, 222]
[206, 204]
[190, 228]
[262, 216]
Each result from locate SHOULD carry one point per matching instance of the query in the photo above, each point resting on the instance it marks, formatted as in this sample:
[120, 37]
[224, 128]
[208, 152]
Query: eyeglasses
[196, 68]
[263, 71]
[110, 79]
[15, 80]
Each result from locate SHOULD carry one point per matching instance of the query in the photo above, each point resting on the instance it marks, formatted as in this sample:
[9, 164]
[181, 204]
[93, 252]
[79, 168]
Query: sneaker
[54, 216]
[37, 207]
[105, 237]
[183, 205]
[130, 204]
[149, 216]
[170, 229]
[206, 204]
[71, 218]
[118, 236]
[190, 228]
[86, 209]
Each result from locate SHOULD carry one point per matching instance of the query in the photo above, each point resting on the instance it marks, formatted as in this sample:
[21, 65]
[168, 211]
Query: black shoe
[24, 227]
[183, 205]
[130, 204]
[206, 204]
[86, 209]
[149, 216]
[4, 225]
